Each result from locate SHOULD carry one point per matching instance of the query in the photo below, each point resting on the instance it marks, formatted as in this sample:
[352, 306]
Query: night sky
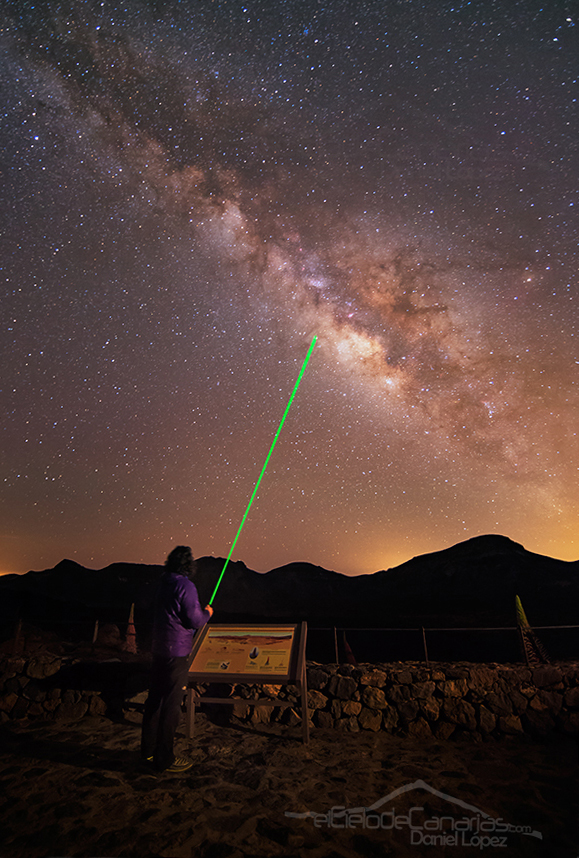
[192, 190]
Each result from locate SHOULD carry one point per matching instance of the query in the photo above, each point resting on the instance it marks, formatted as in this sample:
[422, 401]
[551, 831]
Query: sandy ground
[80, 789]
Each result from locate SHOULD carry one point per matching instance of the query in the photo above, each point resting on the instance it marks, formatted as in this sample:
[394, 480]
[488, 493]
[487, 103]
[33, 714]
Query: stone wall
[47, 686]
[404, 698]
[442, 700]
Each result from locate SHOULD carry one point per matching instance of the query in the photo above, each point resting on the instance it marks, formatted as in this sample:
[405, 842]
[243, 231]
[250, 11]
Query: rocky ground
[79, 789]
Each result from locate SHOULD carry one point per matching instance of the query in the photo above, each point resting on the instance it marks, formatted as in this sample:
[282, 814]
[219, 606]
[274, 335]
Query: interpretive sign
[245, 650]
[249, 654]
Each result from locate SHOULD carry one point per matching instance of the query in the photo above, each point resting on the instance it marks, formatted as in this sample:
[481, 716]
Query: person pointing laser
[178, 614]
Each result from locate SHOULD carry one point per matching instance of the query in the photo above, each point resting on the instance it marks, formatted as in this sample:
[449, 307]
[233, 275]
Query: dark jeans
[163, 710]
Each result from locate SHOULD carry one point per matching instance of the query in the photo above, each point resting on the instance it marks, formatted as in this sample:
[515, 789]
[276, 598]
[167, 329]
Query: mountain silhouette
[472, 583]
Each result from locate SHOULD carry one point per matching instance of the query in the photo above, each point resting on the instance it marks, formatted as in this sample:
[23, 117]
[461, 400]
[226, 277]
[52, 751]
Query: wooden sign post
[249, 654]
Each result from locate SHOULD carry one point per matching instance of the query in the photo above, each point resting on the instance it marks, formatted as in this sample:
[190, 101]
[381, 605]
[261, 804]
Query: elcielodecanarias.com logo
[474, 827]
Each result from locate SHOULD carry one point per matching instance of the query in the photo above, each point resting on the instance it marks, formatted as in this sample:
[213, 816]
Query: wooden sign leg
[305, 712]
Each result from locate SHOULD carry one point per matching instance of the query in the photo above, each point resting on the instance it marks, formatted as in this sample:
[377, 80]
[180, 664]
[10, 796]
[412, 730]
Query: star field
[192, 190]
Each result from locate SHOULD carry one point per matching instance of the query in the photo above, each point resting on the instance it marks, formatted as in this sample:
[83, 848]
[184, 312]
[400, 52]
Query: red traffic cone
[350, 657]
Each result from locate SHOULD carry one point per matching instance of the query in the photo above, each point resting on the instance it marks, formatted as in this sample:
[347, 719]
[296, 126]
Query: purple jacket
[177, 615]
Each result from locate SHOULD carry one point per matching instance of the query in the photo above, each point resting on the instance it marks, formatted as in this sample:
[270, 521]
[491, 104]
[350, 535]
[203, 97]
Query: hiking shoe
[181, 764]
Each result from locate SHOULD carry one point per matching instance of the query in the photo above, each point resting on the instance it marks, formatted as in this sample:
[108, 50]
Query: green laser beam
[302, 370]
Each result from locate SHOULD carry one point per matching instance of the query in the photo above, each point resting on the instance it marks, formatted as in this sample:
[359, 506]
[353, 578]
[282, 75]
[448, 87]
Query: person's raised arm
[193, 616]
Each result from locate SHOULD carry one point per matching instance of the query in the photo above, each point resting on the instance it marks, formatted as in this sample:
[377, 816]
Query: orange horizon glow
[368, 563]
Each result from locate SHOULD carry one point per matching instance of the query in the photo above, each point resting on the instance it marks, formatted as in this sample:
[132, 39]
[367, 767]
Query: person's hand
[210, 609]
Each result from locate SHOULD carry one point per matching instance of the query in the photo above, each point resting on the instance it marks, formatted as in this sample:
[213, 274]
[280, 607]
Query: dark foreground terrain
[79, 789]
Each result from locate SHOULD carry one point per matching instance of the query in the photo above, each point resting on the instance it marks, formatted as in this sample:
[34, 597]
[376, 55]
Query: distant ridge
[471, 583]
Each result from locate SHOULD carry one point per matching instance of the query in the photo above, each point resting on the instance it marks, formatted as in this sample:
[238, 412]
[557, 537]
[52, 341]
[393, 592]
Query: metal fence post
[425, 648]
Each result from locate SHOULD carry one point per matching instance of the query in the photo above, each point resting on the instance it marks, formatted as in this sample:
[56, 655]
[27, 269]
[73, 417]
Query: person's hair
[180, 561]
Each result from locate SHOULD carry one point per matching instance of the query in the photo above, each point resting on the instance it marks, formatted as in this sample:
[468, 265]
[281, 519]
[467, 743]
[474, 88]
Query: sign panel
[250, 651]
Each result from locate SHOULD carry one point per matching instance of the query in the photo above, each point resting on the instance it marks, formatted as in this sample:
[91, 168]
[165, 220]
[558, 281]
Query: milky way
[192, 190]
